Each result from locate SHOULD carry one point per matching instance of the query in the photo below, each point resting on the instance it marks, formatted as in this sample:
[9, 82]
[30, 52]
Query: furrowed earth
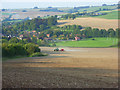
[73, 68]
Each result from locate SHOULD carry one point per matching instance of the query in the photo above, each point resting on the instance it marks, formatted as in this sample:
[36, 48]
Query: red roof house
[77, 38]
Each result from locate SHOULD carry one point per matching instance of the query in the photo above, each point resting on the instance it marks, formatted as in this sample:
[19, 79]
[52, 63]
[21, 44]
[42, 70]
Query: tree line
[71, 31]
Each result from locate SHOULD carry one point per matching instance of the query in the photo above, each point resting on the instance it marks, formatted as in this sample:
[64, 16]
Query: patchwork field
[97, 8]
[91, 22]
[73, 68]
[31, 14]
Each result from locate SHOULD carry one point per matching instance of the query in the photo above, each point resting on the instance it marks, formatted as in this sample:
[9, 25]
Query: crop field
[97, 8]
[30, 13]
[98, 42]
[73, 68]
[22, 15]
[91, 22]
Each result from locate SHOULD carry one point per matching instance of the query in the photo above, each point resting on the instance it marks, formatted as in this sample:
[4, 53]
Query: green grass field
[5, 13]
[98, 42]
[110, 15]
[97, 8]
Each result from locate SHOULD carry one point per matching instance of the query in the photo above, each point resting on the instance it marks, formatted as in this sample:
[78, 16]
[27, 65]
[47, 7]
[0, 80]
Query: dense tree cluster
[71, 31]
[69, 16]
[15, 49]
[37, 24]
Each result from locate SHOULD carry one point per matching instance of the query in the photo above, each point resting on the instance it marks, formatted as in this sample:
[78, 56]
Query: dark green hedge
[10, 50]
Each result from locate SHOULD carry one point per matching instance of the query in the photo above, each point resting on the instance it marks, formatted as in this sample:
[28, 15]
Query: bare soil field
[73, 68]
[91, 22]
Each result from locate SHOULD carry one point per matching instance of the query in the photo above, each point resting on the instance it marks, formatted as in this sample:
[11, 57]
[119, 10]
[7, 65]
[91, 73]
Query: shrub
[31, 48]
[53, 44]
[15, 49]
[19, 49]
[9, 50]
[4, 41]
[4, 51]
[13, 40]
[38, 54]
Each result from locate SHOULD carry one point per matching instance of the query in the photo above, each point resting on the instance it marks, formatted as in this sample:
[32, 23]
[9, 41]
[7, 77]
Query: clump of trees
[15, 49]
[37, 24]
[69, 16]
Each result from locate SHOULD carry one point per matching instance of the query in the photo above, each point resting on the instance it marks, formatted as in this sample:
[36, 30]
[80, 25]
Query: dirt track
[74, 68]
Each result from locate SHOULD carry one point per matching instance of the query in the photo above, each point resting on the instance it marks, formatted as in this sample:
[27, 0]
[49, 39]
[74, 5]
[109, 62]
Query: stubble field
[91, 22]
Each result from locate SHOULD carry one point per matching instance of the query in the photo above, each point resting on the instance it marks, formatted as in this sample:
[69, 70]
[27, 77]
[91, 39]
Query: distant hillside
[94, 8]
[111, 15]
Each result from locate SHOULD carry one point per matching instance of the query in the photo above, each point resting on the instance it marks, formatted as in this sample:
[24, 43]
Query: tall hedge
[31, 48]
[10, 50]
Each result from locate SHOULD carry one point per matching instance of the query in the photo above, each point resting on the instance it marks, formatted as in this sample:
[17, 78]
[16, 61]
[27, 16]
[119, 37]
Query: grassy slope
[97, 8]
[110, 15]
[98, 42]
[5, 13]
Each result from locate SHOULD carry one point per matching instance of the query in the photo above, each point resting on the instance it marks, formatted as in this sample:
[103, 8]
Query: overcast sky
[59, 0]
[9, 4]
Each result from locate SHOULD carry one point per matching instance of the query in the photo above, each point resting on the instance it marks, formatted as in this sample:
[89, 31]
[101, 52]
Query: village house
[77, 38]
[34, 35]
[48, 35]
[21, 36]
[48, 39]
[33, 31]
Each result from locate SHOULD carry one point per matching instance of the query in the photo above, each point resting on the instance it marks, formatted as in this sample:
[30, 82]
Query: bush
[14, 40]
[53, 45]
[38, 54]
[31, 48]
[93, 39]
[19, 49]
[4, 41]
[16, 49]
[4, 50]
[9, 50]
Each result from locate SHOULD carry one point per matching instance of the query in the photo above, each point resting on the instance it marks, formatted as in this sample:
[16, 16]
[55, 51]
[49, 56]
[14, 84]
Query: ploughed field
[73, 68]
[91, 22]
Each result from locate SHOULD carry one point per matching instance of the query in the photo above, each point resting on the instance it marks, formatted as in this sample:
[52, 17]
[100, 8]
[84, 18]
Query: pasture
[97, 8]
[110, 15]
[98, 42]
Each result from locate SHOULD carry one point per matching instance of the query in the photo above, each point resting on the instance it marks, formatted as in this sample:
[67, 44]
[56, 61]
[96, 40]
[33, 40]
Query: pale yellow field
[91, 22]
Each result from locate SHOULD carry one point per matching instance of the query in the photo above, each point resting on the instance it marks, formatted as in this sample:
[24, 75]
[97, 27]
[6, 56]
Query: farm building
[48, 39]
[34, 31]
[48, 35]
[77, 38]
